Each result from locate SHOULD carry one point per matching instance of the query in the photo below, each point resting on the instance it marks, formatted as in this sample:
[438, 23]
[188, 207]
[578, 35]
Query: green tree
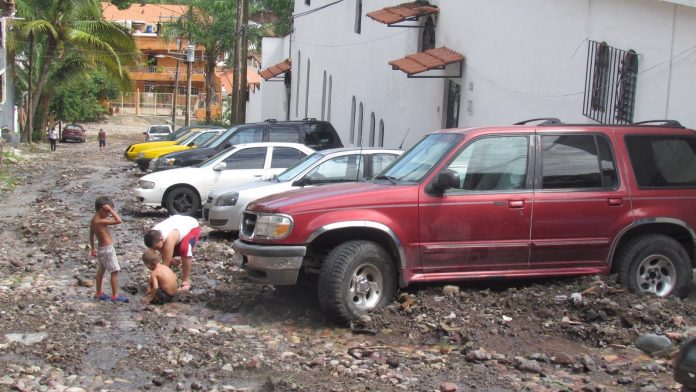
[60, 38]
[78, 99]
[283, 10]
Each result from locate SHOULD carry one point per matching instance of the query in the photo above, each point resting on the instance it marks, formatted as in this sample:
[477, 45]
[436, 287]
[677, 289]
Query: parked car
[319, 135]
[74, 133]
[157, 132]
[132, 151]
[496, 202]
[224, 207]
[194, 139]
[181, 190]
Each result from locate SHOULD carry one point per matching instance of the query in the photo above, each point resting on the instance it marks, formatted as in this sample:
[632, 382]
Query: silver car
[224, 207]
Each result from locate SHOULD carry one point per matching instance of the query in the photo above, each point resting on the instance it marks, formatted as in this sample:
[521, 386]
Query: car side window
[248, 158]
[248, 135]
[284, 157]
[282, 133]
[318, 135]
[343, 168]
[663, 161]
[381, 161]
[493, 164]
[577, 162]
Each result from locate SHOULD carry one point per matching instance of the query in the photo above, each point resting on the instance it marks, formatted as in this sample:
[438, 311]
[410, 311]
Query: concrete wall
[7, 108]
[523, 60]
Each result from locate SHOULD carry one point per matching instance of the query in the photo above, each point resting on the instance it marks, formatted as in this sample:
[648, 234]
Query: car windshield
[299, 167]
[209, 142]
[415, 163]
[218, 140]
[181, 132]
[210, 160]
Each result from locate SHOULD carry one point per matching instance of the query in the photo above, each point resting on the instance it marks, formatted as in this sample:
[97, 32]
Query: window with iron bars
[610, 84]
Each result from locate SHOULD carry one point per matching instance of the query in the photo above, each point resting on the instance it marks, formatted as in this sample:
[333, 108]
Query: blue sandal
[119, 299]
[102, 297]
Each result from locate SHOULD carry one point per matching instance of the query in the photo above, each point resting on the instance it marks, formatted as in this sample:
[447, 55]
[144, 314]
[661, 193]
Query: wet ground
[230, 335]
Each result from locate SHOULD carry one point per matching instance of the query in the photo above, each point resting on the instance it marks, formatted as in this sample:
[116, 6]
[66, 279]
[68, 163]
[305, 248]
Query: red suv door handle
[615, 201]
[516, 204]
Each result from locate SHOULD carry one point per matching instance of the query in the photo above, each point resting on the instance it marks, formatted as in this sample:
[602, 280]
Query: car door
[483, 224]
[580, 202]
[243, 165]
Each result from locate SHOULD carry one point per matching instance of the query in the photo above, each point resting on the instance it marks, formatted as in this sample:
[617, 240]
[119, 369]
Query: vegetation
[283, 10]
[59, 39]
[78, 99]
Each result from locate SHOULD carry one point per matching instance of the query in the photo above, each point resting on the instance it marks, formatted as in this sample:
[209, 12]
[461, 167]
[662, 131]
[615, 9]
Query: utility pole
[239, 82]
[176, 82]
[243, 87]
[189, 65]
[235, 64]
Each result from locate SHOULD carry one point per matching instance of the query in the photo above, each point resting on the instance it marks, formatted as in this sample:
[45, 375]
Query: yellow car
[175, 137]
[193, 140]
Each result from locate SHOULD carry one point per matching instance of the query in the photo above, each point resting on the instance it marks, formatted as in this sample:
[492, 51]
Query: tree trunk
[43, 78]
[209, 84]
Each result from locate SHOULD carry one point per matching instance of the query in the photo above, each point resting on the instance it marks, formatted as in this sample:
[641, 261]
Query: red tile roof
[402, 12]
[276, 70]
[425, 61]
[226, 76]
[148, 13]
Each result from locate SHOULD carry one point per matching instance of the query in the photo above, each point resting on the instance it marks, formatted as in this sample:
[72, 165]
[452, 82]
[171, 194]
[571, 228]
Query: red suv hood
[341, 196]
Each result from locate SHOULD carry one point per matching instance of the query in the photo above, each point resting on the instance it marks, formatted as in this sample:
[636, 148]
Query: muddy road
[584, 334]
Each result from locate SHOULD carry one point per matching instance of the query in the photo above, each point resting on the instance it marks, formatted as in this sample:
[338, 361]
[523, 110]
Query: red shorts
[185, 246]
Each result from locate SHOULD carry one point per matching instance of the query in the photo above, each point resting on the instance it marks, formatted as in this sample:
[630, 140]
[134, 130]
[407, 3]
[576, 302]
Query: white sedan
[224, 208]
[181, 190]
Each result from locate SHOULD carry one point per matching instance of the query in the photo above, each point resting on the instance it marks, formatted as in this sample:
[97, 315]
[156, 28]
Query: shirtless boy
[106, 255]
[163, 286]
[175, 236]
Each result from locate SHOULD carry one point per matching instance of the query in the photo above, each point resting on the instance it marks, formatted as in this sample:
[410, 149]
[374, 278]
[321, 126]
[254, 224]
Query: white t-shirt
[53, 134]
[182, 223]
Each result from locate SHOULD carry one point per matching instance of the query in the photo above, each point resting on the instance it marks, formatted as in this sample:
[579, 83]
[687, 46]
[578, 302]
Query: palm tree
[63, 36]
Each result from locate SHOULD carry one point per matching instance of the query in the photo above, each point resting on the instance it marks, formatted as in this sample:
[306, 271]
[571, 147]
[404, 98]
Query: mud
[231, 335]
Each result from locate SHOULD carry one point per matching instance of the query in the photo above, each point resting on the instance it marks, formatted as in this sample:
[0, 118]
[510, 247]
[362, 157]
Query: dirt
[231, 335]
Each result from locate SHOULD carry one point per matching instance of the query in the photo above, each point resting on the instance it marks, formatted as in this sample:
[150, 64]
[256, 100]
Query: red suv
[498, 202]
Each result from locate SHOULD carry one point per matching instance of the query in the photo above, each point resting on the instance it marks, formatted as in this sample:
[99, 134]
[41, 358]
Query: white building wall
[523, 60]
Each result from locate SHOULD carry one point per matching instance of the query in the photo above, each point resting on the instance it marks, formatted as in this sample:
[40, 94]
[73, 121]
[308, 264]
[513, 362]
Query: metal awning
[432, 59]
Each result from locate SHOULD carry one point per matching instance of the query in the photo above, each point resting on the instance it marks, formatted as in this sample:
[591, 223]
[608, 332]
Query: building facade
[8, 112]
[386, 73]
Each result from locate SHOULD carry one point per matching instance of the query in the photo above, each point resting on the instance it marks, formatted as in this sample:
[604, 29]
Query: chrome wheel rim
[656, 274]
[366, 286]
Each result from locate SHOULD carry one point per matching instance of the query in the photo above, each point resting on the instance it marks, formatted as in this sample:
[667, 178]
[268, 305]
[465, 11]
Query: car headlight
[227, 199]
[141, 155]
[273, 227]
[168, 161]
[146, 184]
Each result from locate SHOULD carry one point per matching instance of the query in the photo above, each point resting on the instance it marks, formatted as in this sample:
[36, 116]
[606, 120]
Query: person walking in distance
[53, 137]
[102, 139]
[175, 236]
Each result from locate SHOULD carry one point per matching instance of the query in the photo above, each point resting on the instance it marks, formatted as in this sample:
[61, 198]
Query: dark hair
[152, 237]
[103, 201]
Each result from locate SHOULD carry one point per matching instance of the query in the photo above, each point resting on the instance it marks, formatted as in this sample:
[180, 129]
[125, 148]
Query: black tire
[183, 201]
[341, 296]
[657, 264]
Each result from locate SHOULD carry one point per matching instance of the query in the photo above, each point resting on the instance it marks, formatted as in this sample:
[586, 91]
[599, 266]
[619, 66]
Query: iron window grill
[610, 84]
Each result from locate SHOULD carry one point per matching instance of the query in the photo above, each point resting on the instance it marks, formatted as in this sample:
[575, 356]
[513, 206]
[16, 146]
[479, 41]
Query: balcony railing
[166, 70]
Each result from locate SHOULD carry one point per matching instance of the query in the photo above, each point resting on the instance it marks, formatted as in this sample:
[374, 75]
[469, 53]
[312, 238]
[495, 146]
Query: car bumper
[149, 197]
[143, 163]
[224, 218]
[276, 265]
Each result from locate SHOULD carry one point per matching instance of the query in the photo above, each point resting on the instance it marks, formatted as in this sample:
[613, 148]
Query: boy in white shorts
[106, 255]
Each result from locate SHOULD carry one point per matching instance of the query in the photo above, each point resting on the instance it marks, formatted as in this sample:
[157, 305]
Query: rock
[652, 343]
[480, 355]
[448, 387]
[450, 290]
[525, 365]
[624, 380]
[562, 359]
[25, 339]
[196, 386]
